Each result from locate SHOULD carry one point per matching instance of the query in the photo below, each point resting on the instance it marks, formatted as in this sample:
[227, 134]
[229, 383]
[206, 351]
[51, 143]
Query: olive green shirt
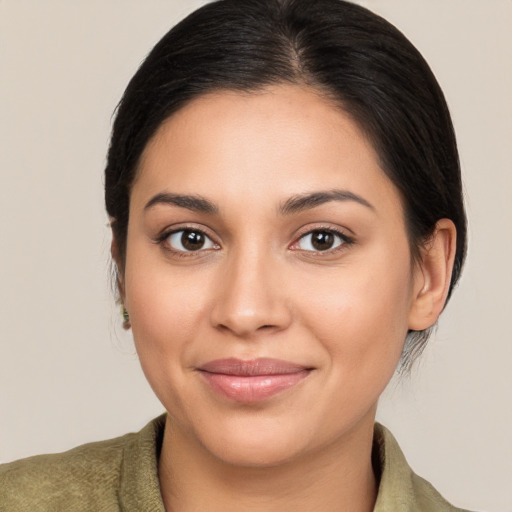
[121, 475]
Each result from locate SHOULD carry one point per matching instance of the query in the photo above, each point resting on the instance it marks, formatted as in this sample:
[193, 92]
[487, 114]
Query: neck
[338, 477]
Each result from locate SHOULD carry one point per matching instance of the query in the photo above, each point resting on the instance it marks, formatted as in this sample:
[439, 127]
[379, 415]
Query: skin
[260, 289]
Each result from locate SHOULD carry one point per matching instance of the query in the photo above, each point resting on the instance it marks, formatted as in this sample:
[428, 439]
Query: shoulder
[88, 474]
[85, 478]
[400, 489]
[428, 498]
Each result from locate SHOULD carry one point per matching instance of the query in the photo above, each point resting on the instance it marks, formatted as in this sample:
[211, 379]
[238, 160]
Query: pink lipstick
[252, 381]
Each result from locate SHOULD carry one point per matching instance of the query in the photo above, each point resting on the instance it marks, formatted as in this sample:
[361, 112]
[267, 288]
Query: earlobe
[433, 275]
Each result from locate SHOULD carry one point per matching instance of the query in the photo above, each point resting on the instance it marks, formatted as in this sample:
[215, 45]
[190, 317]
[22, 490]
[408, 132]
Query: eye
[321, 240]
[189, 240]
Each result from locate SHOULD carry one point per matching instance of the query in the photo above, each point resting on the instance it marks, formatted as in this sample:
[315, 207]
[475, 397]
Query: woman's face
[268, 275]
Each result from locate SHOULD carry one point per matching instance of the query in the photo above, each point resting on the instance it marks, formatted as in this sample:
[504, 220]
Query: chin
[262, 440]
[257, 453]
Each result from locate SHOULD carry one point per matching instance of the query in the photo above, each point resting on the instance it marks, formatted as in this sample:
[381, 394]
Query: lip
[252, 381]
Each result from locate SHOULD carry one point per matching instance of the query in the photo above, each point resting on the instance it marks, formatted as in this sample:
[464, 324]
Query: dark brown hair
[355, 57]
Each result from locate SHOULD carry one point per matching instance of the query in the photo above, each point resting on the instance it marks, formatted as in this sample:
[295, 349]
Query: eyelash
[162, 241]
[346, 241]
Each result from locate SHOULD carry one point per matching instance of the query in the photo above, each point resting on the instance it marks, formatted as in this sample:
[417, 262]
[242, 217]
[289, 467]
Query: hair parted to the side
[354, 57]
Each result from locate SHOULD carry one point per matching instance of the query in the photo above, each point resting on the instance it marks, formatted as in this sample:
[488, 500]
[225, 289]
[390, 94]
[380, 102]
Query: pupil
[322, 240]
[192, 240]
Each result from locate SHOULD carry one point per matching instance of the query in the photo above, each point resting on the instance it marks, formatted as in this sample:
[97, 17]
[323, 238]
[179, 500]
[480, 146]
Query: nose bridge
[249, 298]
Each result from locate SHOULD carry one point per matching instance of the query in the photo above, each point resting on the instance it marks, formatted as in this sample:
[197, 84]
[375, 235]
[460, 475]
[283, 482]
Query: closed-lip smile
[254, 380]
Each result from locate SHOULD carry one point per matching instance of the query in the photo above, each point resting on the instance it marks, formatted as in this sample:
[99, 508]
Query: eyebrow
[303, 202]
[194, 203]
[294, 204]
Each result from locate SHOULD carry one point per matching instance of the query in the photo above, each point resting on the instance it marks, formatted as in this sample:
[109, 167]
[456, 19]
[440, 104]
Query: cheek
[165, 308]
[165, 313]
[360, 315]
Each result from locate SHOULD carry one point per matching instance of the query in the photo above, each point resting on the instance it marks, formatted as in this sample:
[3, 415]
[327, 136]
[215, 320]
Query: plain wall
[69, 373]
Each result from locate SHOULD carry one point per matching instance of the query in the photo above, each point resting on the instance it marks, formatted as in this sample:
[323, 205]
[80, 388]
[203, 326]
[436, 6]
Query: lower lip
[255, 388]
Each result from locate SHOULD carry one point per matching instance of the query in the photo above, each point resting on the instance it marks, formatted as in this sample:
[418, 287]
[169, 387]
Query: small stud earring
[126, 318]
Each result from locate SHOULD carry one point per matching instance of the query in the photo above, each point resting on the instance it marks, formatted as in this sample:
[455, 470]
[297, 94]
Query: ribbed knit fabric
[121, 475]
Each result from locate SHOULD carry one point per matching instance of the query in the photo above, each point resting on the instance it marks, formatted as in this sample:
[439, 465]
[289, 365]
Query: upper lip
[252, 368]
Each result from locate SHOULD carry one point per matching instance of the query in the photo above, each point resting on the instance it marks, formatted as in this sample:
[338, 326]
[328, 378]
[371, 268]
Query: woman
[288, 224]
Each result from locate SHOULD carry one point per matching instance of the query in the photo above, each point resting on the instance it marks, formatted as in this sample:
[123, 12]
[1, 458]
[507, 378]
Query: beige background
[68, 373]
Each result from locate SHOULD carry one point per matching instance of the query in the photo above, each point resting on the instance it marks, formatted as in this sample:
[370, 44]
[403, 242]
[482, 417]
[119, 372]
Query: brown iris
[322, 240]
[192, 240]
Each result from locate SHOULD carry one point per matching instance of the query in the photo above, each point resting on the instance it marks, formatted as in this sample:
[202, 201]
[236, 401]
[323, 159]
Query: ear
[119, 263]
[432, 276]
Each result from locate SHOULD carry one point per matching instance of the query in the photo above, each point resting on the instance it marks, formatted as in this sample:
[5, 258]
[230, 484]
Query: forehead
[265, 145]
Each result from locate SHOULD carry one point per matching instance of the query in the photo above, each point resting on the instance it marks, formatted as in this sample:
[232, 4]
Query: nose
[250, 298]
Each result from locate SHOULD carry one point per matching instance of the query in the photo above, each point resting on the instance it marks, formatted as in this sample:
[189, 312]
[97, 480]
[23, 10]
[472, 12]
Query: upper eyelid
[345, 233]
[170, 230]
